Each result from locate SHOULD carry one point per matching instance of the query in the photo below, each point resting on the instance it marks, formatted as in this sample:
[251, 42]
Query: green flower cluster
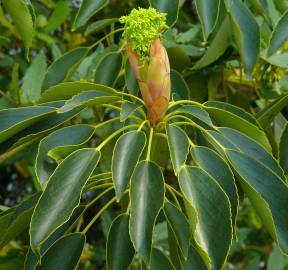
[142, 26]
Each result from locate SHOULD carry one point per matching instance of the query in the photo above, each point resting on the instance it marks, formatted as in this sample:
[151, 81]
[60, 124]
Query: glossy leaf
[126, 154]
[267, 193]
[196, 112]
[194, 261]
[16, 119]
[87, 9]
[127, 109]
[246, 33]
[159, 261]
[266, 115]
[226, 118]
[208, 14]
[59, 70]
[232, 109]
[74, 172]
[67, 136]
[87, 98]
[64, 254]
[120, 251]
[178, 143]
[147, 198]
[108, 69]
[171, 7]
[67, 90]
[53, 120]
[252, 149]
[179, 87]
[16, 220]
[219, 44]
[99, 25]
[214, 230]
[179, 226]
[22, 20]
[210, 162]
[31, 88]
[283, 150]
[279, 35]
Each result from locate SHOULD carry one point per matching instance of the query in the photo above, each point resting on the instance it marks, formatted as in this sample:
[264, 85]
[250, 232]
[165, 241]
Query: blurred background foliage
[207, 63]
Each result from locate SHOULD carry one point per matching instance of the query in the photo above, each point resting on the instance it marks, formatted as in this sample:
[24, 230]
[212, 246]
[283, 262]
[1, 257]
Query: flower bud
[148, 58]
[154, 79]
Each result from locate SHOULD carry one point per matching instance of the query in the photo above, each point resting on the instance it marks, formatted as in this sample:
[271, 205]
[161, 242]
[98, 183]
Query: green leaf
[227, 118]
[147, 198]
[179, 87]
[266, 116]
[171, 7]
[67, 136]
[120, 251]
[130, 79]
[278, 60]
[53, 120]
[22, 20]
[208, 13]
[16, 119]
[99, 25]
[87, 98]
[64, 254]
[276, 260]
[67, 90]
[210, 162]
[196, 112]
[159, 261]
[179, 225]
[218, 46]
[267, 193]
[108, 68]
[63, 229]
[128, 108]
[246, 33]
[253, 149]
[126, 154]
[31, 260]
[214, 230]
[16, 220]
[74, 172]
[283, 150]
[279, 34]
[31, 88]
[160, 149]
[232, 109]
[59, 15]
[178, 143]
[60, 70]
[87, 9]
[194, 261]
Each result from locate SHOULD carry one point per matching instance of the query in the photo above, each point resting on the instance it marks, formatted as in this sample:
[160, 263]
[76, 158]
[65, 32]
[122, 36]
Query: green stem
[174, 190]
[101, 39]
[180, 102]
[99, 196]
[101, 145]
[142, 125]
[92, 186]
[132, 96]
[100, 175]
[174, 196]
[107, 122]
[98, 215]
[149, 144]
